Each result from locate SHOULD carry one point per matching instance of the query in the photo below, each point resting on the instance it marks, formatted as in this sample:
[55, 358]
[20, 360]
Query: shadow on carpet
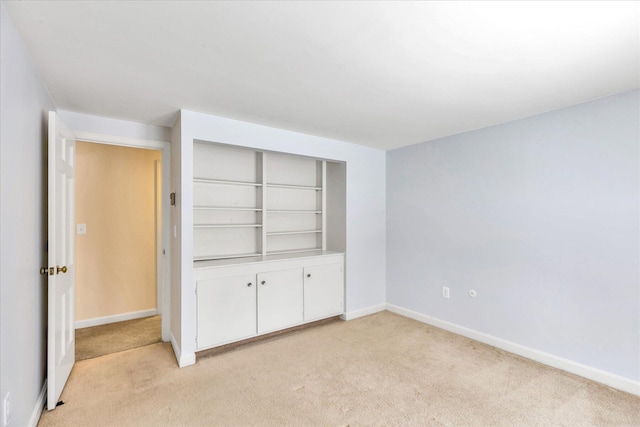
[115, 337]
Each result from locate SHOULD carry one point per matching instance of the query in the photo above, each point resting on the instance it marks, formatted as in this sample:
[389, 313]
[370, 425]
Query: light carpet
[382, 369]
[119, 336]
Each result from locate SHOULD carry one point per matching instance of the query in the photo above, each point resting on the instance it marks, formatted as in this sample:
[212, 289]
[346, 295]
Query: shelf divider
[226, 256]
[286, 233]
[293, 211]
[323, 236]
[263, 177]
[293, 251]
[294, 187]
[225, 208]
[223, 182]
[227, 225]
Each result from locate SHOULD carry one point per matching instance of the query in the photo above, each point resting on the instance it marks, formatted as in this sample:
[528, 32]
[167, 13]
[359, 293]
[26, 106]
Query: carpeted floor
[382, 369]
[114, 337]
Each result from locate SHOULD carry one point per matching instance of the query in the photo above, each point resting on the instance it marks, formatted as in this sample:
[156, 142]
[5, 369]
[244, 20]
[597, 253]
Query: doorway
[119, 250]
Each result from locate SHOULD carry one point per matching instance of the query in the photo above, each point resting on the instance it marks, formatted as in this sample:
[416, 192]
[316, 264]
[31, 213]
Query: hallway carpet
[114, 337]
[382, 369]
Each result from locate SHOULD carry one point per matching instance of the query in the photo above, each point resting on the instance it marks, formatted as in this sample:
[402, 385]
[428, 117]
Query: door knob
[264, 283]
[249, 284]
[44, 270]
[59, 269]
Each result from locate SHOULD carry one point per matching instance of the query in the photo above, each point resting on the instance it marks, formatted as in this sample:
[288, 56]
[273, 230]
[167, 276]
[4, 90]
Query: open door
[61, 283]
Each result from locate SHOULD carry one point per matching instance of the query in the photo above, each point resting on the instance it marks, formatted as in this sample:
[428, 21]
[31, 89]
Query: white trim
[96, 321]
[350, 315]
[37, 410]
[157, 219]
[594, 374]
[182, 359]
[100, 138]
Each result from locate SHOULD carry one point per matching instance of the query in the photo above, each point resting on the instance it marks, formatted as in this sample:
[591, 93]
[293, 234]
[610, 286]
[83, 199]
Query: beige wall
[116, 259]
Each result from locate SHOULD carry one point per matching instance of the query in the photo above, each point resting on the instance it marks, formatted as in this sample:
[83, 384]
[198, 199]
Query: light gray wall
[24, 103]
[541, 217]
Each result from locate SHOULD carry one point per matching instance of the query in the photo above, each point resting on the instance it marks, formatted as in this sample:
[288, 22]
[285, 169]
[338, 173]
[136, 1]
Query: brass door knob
[59, 269]
[44, 270]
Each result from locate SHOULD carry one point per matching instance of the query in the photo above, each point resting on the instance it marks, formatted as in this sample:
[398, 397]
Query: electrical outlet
[81, 229]
[445, 292]
[6, 410]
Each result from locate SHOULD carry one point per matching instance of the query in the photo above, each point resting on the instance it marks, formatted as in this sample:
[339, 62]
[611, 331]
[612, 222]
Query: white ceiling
[382, 74]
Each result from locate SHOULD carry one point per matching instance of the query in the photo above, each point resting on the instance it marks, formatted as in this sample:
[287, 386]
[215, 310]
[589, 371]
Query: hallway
[116, 337]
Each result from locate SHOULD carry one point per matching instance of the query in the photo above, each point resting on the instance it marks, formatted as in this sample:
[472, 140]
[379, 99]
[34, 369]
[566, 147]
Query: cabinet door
[323, 291]
[226, 309]
[279, 299]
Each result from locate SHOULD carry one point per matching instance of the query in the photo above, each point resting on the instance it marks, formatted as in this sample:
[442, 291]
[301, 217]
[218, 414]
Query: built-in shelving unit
[249, 203]
[260, 241]
[227, 199]
[295, 204]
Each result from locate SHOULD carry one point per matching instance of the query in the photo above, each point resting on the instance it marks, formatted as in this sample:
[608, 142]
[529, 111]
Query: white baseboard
[182, 359]
[603, 377]
[96, 321]
[37, 410]
[363, 312]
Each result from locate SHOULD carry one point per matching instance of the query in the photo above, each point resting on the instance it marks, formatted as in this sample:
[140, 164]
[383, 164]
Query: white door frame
[163, 256]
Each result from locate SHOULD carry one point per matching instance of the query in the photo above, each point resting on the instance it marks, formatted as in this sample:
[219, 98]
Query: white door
[226, 309]
[279, 299]
[323, 291]
[61, 283]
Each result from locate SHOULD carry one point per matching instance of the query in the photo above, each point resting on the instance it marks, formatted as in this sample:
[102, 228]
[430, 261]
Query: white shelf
[292, 211]
[222, 182]
[273, 256]
[294, 187]
[227, 225]
[286, 233]
[215, 257]
[219, 208]
[235, 192]
[293, 251]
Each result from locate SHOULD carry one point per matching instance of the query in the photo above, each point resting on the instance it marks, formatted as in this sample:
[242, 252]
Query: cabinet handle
[309, 275]
[264, 283]
[249, 284]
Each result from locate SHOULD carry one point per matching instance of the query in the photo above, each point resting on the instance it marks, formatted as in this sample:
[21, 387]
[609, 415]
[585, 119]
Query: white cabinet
[279, 300]
[242, 298]
[227, 305]
[323, 291]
